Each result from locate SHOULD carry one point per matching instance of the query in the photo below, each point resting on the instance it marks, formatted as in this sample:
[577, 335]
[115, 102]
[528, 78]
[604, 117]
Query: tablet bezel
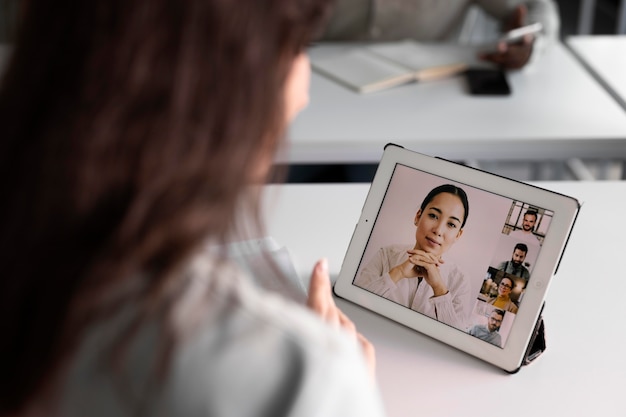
[511, 356]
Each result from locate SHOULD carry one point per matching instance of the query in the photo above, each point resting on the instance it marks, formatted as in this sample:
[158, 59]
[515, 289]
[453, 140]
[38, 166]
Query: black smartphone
[486, 81]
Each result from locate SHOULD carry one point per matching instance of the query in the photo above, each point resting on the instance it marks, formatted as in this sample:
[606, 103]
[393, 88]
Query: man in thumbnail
[489, 333]
[516, 265]
[528, 227]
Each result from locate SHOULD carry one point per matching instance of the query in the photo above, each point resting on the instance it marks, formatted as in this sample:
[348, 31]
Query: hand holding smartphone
[511, 52]
[517, 34]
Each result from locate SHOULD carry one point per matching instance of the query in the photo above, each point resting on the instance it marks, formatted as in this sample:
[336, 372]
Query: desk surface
[557, 111]
[578, 374]
[605, 56]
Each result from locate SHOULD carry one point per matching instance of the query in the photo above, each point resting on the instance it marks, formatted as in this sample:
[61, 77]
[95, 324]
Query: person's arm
[451, 307]
[545, 12]
[372, 271]
[375, 277]
[527, 51]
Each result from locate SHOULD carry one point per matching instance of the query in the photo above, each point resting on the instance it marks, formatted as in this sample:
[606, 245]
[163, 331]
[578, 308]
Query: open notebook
[379, 66]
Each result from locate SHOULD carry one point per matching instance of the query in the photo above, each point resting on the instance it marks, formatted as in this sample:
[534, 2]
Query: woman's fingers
[321, 301]
[320, 298]
[346, 323]
[422, 258]
[319, 287]
[370, 354]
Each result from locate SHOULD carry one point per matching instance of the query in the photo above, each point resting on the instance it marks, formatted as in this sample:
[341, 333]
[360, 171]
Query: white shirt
[451, 308]
[243, 353]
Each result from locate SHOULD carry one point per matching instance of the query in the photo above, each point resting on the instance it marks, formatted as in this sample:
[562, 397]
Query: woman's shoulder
[238, 351]
[263, 347]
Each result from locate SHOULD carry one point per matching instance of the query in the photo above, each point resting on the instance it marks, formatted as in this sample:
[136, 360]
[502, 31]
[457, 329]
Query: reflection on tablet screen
[458, 254]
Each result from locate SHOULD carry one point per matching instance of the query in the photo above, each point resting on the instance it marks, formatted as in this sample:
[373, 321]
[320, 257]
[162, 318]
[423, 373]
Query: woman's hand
[512, 56]
[421, 264]
[321, 301]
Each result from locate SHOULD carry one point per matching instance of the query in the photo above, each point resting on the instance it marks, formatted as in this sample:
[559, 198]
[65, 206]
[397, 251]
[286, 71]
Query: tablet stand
[537, 343]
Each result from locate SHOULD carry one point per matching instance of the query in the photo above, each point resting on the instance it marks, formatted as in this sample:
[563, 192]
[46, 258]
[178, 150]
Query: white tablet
[458, 254]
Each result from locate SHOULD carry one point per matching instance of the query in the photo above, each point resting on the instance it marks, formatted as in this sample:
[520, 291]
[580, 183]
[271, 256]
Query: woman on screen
[417, 276]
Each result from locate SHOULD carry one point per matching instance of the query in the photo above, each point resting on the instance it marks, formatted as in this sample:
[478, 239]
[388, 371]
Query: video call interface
[480, 270]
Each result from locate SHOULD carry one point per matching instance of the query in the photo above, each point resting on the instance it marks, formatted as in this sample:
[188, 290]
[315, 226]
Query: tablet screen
[456, 253]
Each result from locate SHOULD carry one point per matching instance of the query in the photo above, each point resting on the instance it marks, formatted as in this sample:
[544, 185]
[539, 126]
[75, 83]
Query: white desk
[605, 57]
[582, 372]
[557, 111]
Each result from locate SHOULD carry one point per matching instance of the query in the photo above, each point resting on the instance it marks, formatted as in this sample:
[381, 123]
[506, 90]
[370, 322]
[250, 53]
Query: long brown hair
[129, 130]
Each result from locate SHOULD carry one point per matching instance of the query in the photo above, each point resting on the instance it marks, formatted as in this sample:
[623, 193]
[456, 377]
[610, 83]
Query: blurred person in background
[447, 21]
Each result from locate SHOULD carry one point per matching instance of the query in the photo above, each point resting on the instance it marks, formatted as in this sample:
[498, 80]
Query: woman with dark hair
[131, 133]
[417, 276]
